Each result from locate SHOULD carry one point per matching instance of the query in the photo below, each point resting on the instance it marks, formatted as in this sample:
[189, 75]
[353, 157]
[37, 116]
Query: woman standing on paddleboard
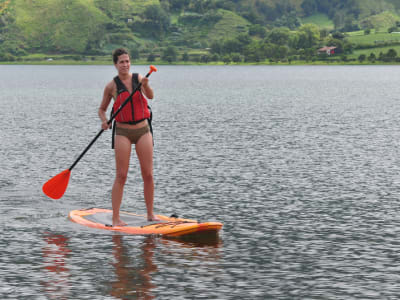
[131, 127]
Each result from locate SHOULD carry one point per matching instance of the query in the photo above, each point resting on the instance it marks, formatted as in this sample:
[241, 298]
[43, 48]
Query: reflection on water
[133, 266]
[133, 274]
[56, 283]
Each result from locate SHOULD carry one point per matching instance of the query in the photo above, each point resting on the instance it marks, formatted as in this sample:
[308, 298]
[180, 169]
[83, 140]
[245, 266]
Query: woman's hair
[118, 52]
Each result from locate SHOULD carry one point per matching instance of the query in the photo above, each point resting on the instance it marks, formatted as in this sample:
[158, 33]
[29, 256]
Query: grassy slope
[139, 6]
[384, 20]
[125, 8]
[321, 20]
[376, 39]
[229, 26]
[376, 51]
[373, 38]
[200, 35]
[58, 24]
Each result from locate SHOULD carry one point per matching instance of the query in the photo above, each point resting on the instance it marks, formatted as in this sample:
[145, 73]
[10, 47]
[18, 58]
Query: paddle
[56, 186]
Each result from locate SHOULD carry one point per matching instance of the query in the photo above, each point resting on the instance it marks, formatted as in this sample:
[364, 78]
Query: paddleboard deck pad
[137, 224]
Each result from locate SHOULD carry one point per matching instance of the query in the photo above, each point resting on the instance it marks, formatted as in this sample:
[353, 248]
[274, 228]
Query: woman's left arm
[146, 89]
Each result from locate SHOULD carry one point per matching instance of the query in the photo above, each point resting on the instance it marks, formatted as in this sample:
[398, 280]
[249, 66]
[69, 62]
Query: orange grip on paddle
[152, 69]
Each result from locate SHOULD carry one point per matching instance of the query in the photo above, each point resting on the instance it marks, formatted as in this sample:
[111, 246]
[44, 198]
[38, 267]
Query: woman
[132, 127]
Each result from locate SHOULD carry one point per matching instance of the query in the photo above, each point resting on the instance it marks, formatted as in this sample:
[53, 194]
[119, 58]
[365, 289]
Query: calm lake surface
[300, 163]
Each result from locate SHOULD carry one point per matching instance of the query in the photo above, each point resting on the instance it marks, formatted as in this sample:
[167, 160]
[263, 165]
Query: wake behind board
[138, 224]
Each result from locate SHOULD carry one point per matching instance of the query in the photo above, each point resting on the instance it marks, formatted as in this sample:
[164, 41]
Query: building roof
[326, 48]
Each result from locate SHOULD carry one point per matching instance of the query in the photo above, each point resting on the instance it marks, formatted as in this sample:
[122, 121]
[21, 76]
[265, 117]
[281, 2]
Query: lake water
[300, 163]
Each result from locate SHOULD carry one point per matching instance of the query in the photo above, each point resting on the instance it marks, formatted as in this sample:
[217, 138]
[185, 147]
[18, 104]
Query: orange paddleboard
[138, 224]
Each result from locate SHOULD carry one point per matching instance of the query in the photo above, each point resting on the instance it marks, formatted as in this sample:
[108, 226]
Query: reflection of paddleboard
[138, 224]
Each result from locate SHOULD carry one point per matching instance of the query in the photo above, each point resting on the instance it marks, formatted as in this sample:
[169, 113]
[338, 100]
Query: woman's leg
[122, 149]
[144, 151]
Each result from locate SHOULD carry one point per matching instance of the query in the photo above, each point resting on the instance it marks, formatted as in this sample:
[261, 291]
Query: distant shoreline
[192, 63]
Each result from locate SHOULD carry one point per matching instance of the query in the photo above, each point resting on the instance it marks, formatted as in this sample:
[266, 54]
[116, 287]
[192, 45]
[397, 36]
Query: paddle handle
[86, 150]
[152, 69]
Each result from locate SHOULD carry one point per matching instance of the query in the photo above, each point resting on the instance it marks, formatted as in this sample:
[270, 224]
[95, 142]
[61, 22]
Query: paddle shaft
[109, 122]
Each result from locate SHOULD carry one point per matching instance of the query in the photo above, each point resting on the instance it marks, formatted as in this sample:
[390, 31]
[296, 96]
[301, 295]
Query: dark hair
[118, 52]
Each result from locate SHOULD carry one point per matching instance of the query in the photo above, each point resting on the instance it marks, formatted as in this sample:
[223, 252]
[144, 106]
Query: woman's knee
[121, 177]
[147, 175]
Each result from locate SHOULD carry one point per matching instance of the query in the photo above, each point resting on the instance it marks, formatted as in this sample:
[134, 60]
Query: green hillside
[187, 30]
[56, 25]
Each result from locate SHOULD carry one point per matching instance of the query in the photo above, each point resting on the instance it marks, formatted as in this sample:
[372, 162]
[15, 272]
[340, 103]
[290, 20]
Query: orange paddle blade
[56, 186]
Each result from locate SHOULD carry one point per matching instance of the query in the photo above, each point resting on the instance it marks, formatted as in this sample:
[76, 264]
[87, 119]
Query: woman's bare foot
[153, 218]
[119, 222]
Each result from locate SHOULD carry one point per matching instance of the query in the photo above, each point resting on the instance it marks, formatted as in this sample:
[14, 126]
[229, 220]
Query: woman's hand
[105, 125]
[145, 82]
[146, 89]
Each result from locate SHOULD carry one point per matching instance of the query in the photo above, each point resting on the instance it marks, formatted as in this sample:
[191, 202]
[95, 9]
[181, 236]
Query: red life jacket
[137, 109]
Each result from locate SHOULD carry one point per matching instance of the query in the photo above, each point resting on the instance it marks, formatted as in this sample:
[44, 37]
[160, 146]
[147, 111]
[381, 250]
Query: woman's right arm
[107, 95]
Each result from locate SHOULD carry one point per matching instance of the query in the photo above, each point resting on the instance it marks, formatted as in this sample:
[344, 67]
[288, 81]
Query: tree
[134, 53]
[350, 24]
[391, 54]
[324, 33]
[372, 57]
[205, 58]
[236, 57]
[279, 36]
[232, 45]
[277, 52]
[348, 47]
[178, 5]
[7, 57]
[338, 35]
[216, 47]
[257, 29]
[362, 58]
[324, 6]
[339, 44]
[252, 52]
[151, 57]
[308, 36]
[169, 54]
[226, 59]
[244, 39]
[215, 57]
[309, 7]
[185, 56]
[157, 20]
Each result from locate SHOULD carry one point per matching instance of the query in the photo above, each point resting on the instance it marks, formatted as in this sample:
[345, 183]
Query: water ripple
[299, 163]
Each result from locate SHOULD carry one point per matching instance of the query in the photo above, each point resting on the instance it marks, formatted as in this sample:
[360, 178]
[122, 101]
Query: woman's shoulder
[111, 84]
[111, 87]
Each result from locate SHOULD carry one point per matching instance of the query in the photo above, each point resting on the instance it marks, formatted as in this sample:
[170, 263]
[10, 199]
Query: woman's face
[123, 64]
